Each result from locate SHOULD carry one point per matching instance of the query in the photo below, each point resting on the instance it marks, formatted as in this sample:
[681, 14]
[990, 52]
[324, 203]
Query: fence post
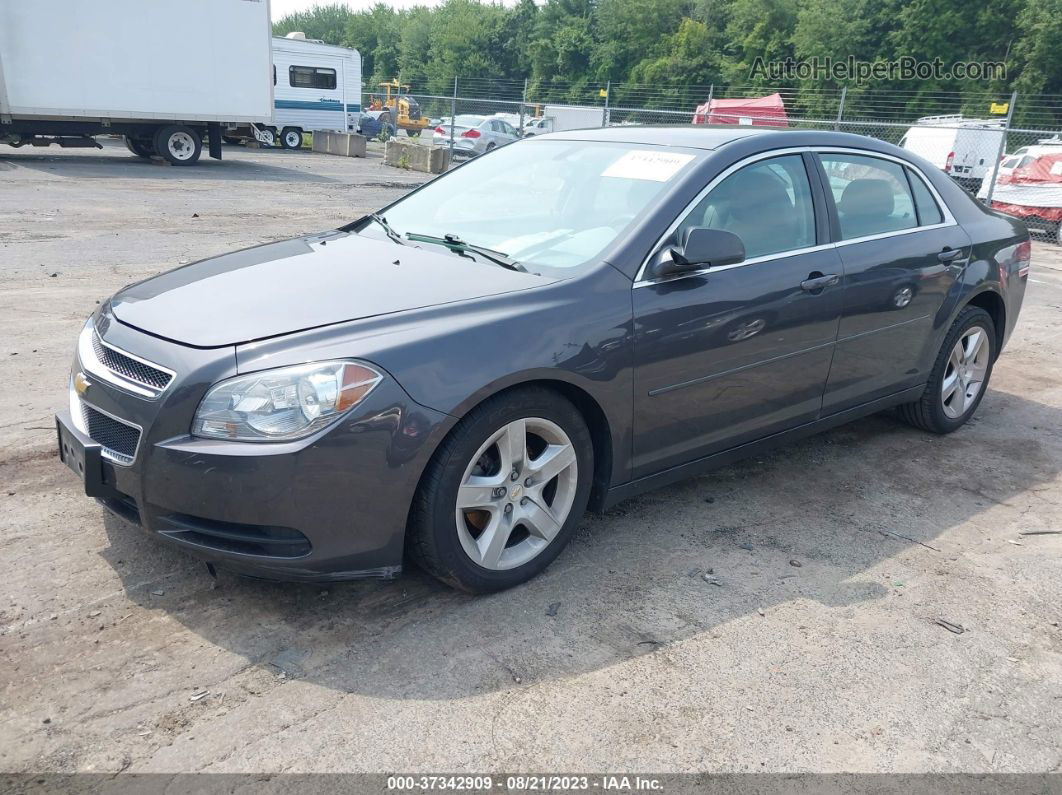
[711, 93]
[453, 120]
[1002, 147]
[840, 109]
[604, 111]
[523, 103]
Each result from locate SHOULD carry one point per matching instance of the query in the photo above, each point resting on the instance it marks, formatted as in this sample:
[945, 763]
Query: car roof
[711, 137]
[701, 136]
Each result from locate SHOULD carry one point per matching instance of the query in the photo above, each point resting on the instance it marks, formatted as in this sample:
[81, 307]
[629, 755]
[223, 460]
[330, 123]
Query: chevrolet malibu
[559, 325]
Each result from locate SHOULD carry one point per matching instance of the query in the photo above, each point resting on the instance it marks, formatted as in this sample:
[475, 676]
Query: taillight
[1023, 255]
[949, 161]
[440, 130]
[470, 134]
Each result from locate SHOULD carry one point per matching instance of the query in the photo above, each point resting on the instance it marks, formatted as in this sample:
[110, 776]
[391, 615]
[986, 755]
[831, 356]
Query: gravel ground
[815, 647]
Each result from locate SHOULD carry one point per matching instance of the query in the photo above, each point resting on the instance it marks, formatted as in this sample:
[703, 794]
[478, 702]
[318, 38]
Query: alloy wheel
[964, 376]
[516, 493]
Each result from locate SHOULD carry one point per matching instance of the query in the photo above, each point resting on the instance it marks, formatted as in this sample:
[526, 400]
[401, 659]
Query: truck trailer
[71, 70]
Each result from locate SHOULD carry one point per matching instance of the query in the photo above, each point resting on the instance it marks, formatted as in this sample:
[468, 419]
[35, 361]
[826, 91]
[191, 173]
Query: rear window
[311, 77]
[928, 210]
[872, 195]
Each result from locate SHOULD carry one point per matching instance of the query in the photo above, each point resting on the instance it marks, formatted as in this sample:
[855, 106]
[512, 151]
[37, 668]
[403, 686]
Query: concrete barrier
[406, 154]
[337, 143]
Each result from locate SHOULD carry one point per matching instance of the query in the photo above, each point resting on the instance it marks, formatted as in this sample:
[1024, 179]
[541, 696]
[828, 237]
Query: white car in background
[475, 135]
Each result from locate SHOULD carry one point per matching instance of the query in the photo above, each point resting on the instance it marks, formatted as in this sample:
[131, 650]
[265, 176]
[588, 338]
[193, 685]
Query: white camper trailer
[318, 87]
[74, 69]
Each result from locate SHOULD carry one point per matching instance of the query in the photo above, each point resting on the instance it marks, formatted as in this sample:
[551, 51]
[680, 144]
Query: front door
[732, 354]
[902, 253]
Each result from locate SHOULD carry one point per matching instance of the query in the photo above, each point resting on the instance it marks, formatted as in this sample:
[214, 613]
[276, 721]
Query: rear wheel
[178, 144]
[504, 492]
[412, 133]
[140, 146]
[960, 375]
[291, 138]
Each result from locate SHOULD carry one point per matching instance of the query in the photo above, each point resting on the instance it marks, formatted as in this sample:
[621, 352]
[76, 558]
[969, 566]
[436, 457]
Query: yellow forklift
[403, 109]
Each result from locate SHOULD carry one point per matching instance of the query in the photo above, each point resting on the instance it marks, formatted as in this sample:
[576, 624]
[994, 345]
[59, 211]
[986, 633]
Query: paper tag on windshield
[647, 164]
[1056, 168]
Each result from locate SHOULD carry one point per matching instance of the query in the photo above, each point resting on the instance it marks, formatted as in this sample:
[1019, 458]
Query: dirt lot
[816, 651]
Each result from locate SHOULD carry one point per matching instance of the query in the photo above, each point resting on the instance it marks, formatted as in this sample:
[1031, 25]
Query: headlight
[283, 404]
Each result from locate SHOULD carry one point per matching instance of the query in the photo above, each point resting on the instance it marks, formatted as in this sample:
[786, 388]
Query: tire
[178, 144]
[291, 138]
[412, 133]
[491, 146]
[937, 414]
[141, 147]
[530, 524]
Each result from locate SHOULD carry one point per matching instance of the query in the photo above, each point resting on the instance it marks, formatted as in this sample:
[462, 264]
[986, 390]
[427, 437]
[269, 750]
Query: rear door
[902, 252]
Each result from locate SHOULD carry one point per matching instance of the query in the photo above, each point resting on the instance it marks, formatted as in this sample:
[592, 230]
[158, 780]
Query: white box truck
[964, 149]
[558, 118]
[165, 79]
[318, 87]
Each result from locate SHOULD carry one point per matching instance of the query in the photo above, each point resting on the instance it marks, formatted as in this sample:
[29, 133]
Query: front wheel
[959, 377]
[504, 492]
[291, 138]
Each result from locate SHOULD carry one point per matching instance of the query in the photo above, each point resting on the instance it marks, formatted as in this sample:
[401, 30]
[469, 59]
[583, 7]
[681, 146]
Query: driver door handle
[816, 281]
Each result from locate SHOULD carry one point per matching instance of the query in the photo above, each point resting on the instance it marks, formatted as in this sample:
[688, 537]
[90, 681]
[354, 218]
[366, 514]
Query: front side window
[872, 195]
[547, 204]
[311, 77]
[767, 204]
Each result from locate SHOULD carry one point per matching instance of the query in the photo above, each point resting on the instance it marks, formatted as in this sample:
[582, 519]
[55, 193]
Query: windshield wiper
[454, 243]
[380, 221]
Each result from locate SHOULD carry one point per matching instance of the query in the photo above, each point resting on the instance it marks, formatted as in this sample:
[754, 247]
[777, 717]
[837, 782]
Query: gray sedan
[562, 324]
[475, 135]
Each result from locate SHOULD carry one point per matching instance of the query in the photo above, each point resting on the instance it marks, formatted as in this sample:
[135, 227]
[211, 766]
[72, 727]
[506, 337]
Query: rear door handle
[818, 282]
[949, 254]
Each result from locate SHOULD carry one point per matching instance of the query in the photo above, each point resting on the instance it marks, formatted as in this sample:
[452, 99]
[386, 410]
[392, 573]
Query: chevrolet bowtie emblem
[81, 384]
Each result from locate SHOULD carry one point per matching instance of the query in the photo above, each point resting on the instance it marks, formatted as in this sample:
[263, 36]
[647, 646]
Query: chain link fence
[1006, 149]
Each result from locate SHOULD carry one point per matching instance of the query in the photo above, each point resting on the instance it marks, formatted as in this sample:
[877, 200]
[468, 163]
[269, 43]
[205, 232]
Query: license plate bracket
[82, 456]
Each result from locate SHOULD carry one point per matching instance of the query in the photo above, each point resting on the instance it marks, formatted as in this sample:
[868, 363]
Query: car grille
[118, 439]
[131, 369]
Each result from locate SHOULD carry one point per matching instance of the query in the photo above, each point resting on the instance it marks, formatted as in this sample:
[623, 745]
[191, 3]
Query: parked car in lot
[1029, 187]
[563, 323]
[475, 135]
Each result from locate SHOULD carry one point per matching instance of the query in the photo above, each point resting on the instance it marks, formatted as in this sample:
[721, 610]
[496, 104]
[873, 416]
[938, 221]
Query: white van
[965, 149]
[317, 86]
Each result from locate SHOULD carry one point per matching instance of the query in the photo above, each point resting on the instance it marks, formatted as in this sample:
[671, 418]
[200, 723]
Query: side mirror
[699, 248]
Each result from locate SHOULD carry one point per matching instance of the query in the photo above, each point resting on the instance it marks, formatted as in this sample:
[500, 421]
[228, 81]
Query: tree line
[567, 49]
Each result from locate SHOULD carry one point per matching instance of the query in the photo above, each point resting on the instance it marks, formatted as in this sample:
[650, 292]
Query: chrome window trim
[640, 279]
[91, 363]
[113, 455]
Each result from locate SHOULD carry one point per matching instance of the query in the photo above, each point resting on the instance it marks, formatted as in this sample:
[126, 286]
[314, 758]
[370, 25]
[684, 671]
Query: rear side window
[872, 195]
[311, 77]
[767, 204]
[928, 210]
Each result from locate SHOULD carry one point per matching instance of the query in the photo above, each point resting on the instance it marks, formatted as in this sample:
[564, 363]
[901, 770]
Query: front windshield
[545, 204]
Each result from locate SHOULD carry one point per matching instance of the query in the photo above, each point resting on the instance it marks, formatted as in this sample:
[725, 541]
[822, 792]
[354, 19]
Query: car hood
[304, 283]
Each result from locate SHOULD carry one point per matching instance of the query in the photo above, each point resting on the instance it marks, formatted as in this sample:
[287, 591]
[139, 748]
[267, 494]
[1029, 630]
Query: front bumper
[332, 506]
